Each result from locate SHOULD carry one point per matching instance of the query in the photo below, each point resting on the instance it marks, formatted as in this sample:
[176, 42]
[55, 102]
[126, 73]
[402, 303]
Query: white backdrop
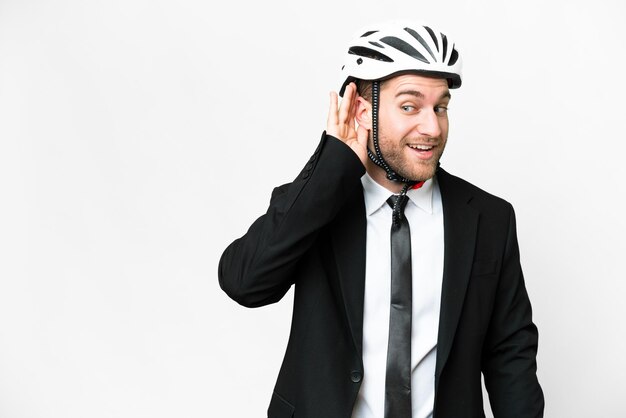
[139, 137]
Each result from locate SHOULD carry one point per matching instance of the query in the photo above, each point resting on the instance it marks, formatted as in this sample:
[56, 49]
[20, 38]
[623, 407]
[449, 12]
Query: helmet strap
[377, 157]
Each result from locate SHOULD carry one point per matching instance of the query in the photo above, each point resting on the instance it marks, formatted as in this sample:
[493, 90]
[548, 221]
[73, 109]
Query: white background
[139, 137]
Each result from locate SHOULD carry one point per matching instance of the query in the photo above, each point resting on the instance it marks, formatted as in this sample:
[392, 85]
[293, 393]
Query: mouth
[422, 151]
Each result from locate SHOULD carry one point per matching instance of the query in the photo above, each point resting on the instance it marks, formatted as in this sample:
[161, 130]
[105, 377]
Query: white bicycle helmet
[389, 49]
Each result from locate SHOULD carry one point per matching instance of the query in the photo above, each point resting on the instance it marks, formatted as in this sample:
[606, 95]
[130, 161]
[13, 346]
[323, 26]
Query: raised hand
[341, 123]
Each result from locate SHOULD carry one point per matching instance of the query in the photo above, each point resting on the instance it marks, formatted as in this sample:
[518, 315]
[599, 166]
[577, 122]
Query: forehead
[413, 82]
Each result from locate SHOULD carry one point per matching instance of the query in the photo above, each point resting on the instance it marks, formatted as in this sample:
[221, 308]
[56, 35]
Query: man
[400, 301]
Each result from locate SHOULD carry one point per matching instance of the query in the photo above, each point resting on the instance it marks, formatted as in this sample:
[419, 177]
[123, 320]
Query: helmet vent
[421, 41]
[369, 53]
[444, 42]
[454, 55]
[403, 46]
[432, 35]
[368, 33]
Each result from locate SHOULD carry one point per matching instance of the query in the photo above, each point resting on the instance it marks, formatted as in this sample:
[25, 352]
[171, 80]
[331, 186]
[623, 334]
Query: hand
[341, 123]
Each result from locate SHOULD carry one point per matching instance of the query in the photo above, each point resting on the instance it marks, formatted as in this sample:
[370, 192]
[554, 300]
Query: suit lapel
[348, 236]
[460, 226]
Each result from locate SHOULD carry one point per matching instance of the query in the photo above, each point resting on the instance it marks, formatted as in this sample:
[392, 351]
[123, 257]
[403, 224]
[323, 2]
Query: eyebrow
[420, 95]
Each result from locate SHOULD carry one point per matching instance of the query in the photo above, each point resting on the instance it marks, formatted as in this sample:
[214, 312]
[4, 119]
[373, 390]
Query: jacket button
[356, 376]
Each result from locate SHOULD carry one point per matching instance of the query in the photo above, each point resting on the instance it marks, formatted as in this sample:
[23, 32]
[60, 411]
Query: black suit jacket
[313, 237]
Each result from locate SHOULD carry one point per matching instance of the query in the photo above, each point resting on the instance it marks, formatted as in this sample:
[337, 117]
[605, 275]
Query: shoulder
[453, 187]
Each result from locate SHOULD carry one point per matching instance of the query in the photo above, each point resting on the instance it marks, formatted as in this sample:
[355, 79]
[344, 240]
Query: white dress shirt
[425, 215]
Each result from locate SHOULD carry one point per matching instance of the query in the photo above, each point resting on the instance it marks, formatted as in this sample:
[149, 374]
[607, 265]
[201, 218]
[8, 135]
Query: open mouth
[422, 151]
[422, 147]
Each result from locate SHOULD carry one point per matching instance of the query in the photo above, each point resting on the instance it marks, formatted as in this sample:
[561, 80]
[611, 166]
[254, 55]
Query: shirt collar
[376, 195]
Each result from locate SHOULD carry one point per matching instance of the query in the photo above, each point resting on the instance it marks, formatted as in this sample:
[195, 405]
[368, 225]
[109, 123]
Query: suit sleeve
[258, 268]
[509, 356]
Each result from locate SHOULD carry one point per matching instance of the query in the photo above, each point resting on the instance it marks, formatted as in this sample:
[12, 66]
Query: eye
[407, 108]
[441, 109]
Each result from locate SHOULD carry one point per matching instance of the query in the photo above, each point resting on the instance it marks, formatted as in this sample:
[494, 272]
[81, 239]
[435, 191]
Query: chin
[422, 174]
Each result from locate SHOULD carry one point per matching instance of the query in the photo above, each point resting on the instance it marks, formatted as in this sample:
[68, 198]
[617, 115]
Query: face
[413, 124]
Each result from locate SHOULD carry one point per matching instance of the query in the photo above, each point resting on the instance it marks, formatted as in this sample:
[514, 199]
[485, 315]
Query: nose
[429, 123]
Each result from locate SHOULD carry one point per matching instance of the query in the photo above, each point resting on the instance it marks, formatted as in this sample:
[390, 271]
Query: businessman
[407, 279]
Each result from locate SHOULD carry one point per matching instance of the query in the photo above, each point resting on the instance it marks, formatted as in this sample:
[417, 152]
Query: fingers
[354, 106]
[346, 111]
[353, 109]
[332, 109]
[340, 122]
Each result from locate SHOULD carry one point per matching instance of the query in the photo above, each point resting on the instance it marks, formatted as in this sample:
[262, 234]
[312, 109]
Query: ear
[363, 113]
